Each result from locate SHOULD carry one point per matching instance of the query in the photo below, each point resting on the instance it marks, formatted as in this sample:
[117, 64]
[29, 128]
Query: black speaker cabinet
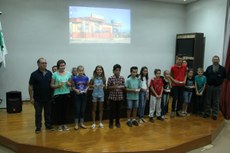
[191, 46]
[14, 102]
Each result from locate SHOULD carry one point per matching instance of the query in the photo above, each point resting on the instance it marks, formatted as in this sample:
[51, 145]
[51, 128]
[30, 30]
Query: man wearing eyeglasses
[40, 94]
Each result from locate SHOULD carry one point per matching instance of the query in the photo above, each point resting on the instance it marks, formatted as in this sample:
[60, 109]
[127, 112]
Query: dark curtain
[225, 94]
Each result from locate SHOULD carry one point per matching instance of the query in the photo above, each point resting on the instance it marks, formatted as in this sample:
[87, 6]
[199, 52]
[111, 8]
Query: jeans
[155, 105]
[164, 103]
[132, 104]
[80, 104]
[38, 105]
[187, 97]
[142, 103]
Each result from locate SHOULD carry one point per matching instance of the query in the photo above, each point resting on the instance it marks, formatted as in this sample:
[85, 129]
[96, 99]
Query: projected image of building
[95, 28]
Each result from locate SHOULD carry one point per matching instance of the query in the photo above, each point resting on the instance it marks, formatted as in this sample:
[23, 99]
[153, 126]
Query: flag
[3, 50]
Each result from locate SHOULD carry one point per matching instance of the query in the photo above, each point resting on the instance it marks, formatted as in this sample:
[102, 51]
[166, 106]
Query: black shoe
[151, 119]
[135, 122]
[50, 128]
[118, 125]
[214, 117]
[206, 116]
[110, 125]
[129, 123]
[38, 130]
[160, 118]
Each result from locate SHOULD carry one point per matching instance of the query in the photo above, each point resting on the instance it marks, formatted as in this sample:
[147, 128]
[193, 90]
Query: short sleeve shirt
[61, 79]
[157, 85]
[80, 82]
[133, 83]
[200, 82]
[40, 81]
[116, 94]
[178, 73]
[98, 90]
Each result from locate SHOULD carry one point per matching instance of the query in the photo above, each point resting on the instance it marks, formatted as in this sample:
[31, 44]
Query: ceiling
[176, 1]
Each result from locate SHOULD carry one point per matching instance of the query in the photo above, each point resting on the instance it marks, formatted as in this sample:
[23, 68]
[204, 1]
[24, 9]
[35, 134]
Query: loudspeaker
[14, 101]
[191, 46]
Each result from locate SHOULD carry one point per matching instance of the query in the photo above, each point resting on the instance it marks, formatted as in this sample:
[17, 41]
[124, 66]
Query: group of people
[179, 82]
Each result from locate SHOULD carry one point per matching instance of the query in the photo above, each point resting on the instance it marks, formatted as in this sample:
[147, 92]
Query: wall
[36, 29]
[208, 17]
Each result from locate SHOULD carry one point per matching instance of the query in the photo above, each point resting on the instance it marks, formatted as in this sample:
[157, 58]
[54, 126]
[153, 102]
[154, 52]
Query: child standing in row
[188, 91]
[200, 84]
[81, 82]
[98, 83]
[144, 93]
[115, 85]
[133, 86]
[156, 87]
[61, 81]
[166, 91]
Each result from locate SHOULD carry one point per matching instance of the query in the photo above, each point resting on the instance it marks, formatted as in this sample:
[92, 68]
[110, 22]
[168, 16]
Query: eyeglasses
[43, 63]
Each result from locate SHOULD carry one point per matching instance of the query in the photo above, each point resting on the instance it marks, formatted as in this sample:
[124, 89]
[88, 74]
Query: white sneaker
[140, 121]
[101, 125]
[93, 126]
[65, 127]
[60, 128]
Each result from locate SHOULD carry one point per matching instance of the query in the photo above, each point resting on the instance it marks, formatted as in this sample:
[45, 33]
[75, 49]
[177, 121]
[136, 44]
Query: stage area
[176, 135]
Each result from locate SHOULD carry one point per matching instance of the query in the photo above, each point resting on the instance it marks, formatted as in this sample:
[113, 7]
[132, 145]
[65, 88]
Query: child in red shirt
[156, 87]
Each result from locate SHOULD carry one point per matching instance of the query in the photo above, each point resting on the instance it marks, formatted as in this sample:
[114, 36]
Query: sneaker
[140, 121]
[65, 127]
[76, 127]
[160, 118]
[151, 120]
[83, 126]
[118, 125]
[134, 122]
[180, 114]
[101, 125]
[129, 123]
[93, 126]
[60, 128]
[143, 120]
[38, 130]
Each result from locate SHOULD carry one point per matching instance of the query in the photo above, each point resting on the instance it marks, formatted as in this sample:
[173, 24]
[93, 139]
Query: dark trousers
[212, 100]
[80, 104]
[177, 94]
[39, 105]
[199, 104]
[61, 108]
[115, 108]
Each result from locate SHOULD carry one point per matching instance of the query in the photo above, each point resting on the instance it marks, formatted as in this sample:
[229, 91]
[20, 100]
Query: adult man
[40, 94]
[178, 77]
[215, 74]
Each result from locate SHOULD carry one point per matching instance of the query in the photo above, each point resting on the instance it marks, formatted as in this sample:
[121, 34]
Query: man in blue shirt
[40, 94]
